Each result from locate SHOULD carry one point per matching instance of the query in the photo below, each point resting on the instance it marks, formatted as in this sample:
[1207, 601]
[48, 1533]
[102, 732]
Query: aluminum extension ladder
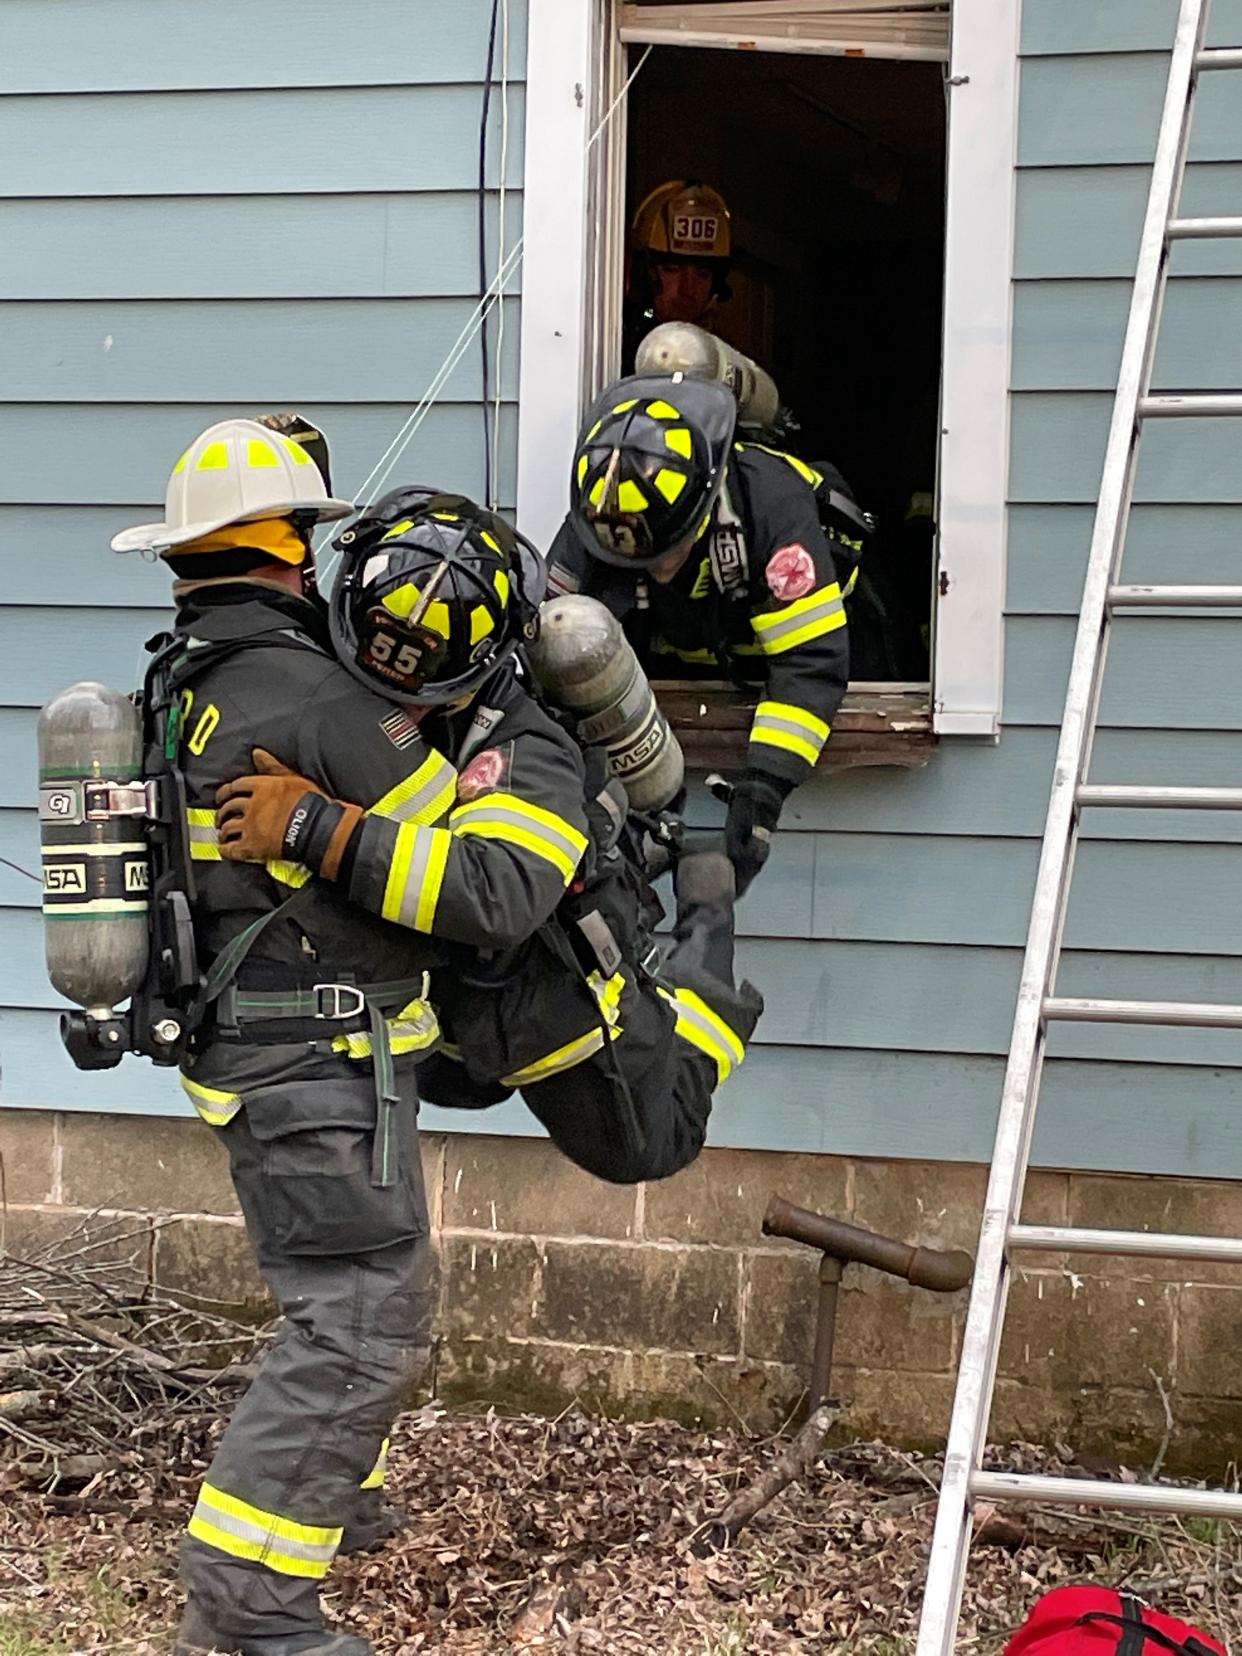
[1002, 1235]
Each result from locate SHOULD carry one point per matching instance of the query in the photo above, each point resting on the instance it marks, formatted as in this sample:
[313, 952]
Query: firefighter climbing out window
[681, 242]
[619, 1065]
[713, 555]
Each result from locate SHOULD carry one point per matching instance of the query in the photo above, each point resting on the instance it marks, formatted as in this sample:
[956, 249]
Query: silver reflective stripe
[396, 806]
[517, 819]
[705, 1026]
[203, 835]
[261, 1535]
[412, 890]
[770, 721]
[795, 623]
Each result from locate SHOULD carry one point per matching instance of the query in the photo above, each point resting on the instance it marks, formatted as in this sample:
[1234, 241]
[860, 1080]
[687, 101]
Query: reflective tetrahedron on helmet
[648, 466]
[431, 594]
[236, 471]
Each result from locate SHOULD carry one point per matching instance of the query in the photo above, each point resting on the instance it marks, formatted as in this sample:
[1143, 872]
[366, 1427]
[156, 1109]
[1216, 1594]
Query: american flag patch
[400, 727]
[563, 580]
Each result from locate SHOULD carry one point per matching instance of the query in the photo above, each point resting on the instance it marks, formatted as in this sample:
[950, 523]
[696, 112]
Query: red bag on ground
[1099, 1621]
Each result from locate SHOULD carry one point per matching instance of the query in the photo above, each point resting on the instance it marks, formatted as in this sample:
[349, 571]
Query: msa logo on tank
[65, 879]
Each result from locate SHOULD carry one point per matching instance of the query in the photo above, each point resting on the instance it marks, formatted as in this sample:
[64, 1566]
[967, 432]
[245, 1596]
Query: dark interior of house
[833, 170]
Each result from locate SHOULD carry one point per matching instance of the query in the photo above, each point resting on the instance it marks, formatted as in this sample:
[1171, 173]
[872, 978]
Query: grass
[25, 1632]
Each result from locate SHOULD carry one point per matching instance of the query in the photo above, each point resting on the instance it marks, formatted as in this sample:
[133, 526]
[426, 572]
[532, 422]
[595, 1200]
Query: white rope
[383, 467]
[493, 482]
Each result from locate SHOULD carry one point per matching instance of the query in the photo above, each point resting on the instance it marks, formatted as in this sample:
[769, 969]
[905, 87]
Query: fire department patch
[400, 727]
[487, 770]
[791, 573]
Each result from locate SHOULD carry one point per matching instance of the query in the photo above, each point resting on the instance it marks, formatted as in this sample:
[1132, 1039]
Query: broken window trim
[876, 724]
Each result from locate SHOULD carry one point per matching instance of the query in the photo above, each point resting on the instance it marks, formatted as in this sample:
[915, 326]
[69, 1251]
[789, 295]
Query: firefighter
[681, 244]
[305, 1066]
[712, 554]
[619, 1063]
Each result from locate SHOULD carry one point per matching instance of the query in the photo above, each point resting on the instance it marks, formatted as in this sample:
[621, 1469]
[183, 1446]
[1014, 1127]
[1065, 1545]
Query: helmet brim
[161, 537]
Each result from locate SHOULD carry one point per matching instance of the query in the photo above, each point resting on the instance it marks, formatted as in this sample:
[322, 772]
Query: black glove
[755, 803]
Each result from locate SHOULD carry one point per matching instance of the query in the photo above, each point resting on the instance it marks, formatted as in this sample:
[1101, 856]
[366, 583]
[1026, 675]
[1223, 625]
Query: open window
[870, 276]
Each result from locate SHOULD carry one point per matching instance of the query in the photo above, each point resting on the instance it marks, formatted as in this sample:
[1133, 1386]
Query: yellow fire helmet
[684, 219]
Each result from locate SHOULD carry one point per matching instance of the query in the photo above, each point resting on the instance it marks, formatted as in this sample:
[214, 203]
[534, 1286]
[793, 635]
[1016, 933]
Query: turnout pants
[680, 1037]
[349, 1265]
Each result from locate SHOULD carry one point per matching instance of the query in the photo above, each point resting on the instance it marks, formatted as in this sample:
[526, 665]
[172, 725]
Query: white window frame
[573, 71]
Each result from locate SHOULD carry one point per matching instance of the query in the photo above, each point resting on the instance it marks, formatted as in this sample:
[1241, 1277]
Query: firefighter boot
[373, 1521]
[706, 892]
[196, 1637]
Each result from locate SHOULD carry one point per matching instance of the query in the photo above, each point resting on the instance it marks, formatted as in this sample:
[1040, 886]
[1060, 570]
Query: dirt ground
[571, 1535]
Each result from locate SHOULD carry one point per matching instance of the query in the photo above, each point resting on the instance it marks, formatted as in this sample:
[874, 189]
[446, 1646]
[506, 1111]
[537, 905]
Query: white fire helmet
[234, 472]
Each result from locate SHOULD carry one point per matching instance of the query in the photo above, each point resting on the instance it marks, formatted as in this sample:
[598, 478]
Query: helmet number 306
[697, 227]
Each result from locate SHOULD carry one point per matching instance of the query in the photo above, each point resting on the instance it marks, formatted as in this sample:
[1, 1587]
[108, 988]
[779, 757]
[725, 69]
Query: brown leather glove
[278, 815]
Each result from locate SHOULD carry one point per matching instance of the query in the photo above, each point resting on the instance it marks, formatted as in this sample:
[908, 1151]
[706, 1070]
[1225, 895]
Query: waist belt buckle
[333, 1002]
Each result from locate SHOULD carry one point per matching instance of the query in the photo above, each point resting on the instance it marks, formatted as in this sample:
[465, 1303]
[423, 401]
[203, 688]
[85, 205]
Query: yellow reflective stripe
[608, 999]
[783, 725]
[564, 1058]
[413, 1029]
[423, 797]
[528, 840]
[379, 1472]
[804, 635]
[201, 831]
[822, 611]
[773, 620]
[706, 1030]
[852, 582]
[808, 474]
[289, 873]
[789, 713]
[505, 817]
[235, 1527]
[216, 1108]
[415, 875]
[784, 739]
[661, 646]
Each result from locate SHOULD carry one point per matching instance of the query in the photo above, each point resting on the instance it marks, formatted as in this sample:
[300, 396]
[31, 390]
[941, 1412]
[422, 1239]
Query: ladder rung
[1173, 404]
[1219, 57]
[1222, 1250]
[1189, 1014]
[1029, 1486]
[1204, 229]
[1175, 597]
[1162, 799]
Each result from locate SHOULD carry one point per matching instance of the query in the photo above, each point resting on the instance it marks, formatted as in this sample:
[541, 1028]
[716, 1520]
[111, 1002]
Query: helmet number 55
[408, 656]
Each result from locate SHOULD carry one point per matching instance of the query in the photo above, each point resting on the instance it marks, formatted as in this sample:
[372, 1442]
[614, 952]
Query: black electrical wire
[18, 869]
[483, 282]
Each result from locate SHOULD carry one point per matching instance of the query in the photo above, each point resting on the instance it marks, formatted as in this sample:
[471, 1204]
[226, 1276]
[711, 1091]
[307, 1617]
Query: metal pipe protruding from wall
[942, 1271]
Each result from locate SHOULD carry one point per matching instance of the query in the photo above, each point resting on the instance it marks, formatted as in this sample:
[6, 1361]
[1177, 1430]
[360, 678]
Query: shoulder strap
[1138, 1633]
[228, 962]
[727, 550]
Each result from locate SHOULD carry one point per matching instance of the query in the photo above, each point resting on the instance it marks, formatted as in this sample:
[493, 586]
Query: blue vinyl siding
[887, 933]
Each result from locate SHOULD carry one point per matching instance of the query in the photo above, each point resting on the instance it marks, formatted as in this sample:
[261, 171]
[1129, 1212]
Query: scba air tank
[586, 666]
[96, 863]
[681, 348]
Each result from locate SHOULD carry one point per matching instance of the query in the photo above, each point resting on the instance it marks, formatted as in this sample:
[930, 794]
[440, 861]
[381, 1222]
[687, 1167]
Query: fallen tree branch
[792, 1463]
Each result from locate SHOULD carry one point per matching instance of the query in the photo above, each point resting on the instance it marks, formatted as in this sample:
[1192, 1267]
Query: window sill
[875, 725]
